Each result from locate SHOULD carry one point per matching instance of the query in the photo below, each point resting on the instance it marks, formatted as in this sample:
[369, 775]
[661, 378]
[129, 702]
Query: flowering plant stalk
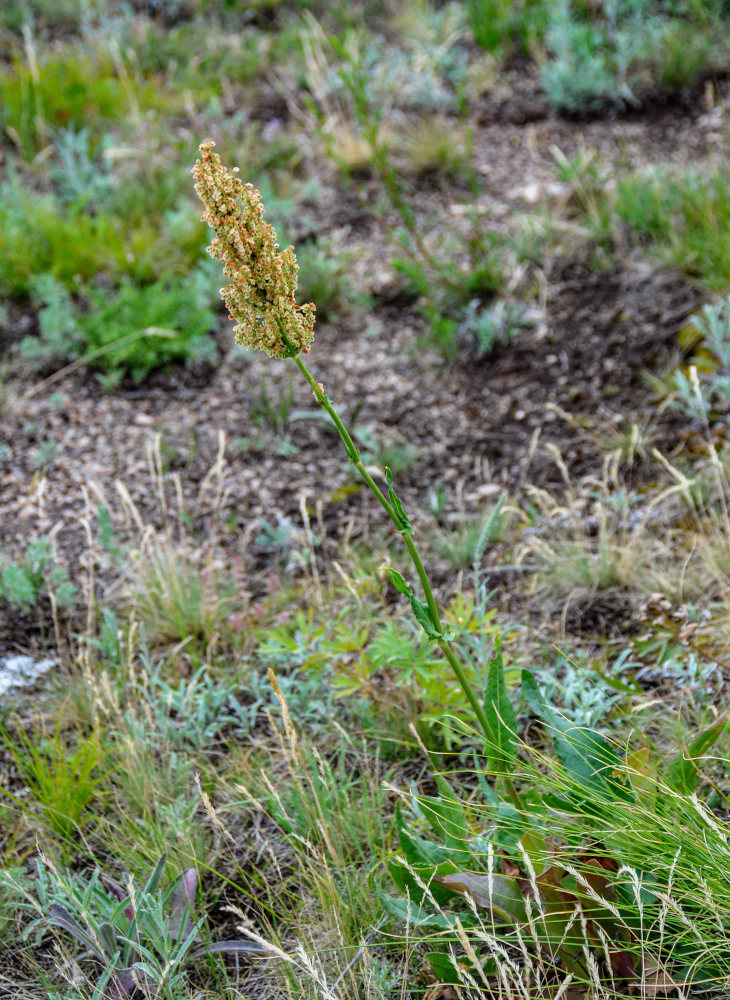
[261, 298]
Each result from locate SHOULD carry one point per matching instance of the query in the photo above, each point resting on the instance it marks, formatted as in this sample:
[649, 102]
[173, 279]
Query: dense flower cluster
[263, 280]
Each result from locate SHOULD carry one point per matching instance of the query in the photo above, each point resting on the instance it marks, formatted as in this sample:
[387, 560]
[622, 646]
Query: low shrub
[129, 332]
[25, 582]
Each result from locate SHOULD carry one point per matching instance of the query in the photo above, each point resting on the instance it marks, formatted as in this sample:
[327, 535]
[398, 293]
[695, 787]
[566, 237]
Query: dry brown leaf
[657, 981]
[441, 992]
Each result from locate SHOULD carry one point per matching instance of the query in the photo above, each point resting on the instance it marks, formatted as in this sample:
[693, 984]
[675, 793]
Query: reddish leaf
[623, 965]
[182, 902]
[440, 992]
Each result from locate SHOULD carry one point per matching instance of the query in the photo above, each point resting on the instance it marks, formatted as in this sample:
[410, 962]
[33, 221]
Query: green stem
[453, 660]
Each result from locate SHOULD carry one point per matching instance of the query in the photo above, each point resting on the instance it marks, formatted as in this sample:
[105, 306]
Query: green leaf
[404, 524]
[420, 609]
[156, 875]
[489, 531]
[60, 917]
[417, 850]
[568, 804]
[408, 877]
[498, 893]
[446, 817]
[682, 774]
[587, 756]
[416, 916]
[532, 695]
[108, 937]
[535, 847]
[500, 715]
[399, 581]
[446, 967]
[414, 272]
[423, 617]
[490, 796]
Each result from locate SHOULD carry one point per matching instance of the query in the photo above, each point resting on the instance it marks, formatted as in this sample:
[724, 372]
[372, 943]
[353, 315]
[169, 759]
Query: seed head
[263, 280]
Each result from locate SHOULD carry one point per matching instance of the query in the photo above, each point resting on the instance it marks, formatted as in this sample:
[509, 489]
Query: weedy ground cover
[275, 760]
[608, 54]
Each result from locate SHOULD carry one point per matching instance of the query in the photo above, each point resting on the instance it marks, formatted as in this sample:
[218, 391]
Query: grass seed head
[263, 280]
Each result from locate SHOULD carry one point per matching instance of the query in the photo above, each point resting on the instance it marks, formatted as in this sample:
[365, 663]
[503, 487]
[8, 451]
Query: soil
[477, 426]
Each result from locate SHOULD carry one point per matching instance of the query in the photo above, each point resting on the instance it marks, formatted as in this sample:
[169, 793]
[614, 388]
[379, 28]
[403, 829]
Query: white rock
[18, 671]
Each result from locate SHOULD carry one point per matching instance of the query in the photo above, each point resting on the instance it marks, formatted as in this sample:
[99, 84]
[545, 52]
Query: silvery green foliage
[705, 388]
[23, 583]
[486, 327]
[192, 712]
[196, 712]
[12, 883]
[135, 940]
[81, 172]
[425, 73]
[60, 337]
[581, 696]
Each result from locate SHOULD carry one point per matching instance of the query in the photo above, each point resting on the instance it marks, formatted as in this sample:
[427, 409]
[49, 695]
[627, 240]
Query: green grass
[195, 59]
[69, 88]
[595, 57]
[646, 902]
[676, 218]
[683, 219]
[324, 791]
[499, 24]
[38, 237]
[63, 778]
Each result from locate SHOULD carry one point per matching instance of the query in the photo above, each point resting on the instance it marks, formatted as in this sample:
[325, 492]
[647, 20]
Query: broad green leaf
[533, 696]
[587, 756]
[650, 885]
[535, 846]
[558, 908]
[568, 804]
[417, 850]
[682, 774]
[693, 965]
[446, 816]
[405, 525]
[446, 967]
[500, 715]
[490, 796]
[416, 916]
[407, 878]
[510, 825]
[643, 776]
